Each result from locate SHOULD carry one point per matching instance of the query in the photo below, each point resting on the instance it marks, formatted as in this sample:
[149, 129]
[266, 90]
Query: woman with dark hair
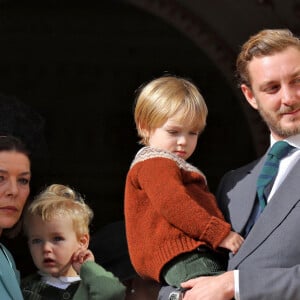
[15, 177]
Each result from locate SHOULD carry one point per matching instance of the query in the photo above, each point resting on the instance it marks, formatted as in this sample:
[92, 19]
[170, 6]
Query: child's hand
[232, 242]
[80, 257]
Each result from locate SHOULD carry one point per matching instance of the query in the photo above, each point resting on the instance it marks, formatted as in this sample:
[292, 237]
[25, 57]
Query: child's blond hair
[162, 98]
[60, 201]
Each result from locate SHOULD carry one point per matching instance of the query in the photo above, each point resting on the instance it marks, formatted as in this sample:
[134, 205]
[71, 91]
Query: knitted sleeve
[98, 284]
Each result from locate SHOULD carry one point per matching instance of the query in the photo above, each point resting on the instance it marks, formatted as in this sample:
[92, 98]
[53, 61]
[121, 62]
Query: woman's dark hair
[12, 143]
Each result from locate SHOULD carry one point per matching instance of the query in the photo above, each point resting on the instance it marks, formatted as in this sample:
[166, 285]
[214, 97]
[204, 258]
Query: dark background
[69, 71]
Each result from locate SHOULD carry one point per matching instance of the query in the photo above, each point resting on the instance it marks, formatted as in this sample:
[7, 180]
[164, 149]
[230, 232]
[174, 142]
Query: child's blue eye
[36, 241]
[58, 238]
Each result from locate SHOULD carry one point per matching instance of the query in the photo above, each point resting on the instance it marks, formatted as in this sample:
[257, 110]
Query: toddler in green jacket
[57, 226]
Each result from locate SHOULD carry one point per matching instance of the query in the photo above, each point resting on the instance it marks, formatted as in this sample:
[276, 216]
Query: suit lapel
[242, 196]
[275, 212]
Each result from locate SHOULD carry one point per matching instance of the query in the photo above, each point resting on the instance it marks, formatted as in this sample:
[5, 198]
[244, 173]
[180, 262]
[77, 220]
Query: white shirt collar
[292, 140]
[61, 282]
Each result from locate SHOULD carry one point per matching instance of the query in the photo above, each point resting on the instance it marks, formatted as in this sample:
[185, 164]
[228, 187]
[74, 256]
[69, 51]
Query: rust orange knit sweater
[168, 211]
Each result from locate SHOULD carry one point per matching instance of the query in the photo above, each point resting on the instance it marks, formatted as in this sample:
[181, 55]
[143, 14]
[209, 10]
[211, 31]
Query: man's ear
[249, 95]
[84, 241]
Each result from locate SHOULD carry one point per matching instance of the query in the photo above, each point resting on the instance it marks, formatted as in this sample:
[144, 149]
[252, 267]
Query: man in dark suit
[267, 266]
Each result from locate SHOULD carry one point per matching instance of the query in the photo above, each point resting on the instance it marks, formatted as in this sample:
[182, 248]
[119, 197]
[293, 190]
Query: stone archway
[215, 48]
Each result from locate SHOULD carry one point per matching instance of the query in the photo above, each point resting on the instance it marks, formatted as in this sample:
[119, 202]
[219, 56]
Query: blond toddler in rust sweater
[174, 228]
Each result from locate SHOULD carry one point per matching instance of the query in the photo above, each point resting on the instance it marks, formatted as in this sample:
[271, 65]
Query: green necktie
[270, 169]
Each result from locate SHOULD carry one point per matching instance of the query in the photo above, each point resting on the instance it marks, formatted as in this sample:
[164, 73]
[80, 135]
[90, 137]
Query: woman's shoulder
[5, 250]
[8, 255]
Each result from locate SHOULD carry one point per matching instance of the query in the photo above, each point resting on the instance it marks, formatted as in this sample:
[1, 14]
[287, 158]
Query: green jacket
[96, 284]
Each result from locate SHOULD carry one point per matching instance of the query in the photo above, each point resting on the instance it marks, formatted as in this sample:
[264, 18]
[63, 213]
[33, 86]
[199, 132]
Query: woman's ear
[247, 91]
[84, 241]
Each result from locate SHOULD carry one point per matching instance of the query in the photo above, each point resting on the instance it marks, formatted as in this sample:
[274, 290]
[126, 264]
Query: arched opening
[78, 66]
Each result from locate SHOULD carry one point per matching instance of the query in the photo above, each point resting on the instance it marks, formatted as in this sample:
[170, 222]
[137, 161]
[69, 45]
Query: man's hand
[219, 287]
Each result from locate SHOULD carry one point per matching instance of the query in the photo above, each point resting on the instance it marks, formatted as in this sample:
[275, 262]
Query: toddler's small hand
[80, 257]
[232, 242]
